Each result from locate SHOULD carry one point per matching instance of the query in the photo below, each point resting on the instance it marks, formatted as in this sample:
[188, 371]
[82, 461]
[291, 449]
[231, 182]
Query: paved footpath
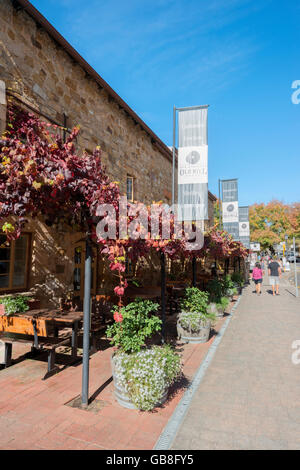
[249, 397]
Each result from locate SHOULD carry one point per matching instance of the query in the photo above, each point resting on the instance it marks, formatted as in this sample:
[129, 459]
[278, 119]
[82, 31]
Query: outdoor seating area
[51, 406]
[46, 329]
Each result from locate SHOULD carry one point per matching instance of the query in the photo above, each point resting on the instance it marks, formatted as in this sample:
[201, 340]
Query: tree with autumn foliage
[269, 223]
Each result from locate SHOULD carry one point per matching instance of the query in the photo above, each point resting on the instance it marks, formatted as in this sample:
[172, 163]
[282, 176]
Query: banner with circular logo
[192, 165]
[230, 212]
[244, 230]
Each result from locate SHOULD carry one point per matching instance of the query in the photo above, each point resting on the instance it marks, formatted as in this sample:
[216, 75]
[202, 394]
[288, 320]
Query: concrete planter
[122, 396]
[213, 308]
[189, 336]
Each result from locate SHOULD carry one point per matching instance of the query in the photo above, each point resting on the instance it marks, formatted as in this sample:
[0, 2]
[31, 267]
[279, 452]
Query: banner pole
[173, 162]
[220, 204]
[295, 266]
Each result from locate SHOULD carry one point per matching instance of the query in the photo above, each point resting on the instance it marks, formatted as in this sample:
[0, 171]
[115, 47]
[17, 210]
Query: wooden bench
[49, 344]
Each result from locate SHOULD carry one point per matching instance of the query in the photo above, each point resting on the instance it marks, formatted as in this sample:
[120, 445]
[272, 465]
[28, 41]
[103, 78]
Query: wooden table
[38, 323]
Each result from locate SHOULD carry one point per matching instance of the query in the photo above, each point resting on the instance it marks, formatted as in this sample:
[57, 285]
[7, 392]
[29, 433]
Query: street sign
[254, 246]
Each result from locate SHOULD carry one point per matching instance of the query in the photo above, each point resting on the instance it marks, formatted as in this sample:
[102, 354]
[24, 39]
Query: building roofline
[212, 196]
[54, 34]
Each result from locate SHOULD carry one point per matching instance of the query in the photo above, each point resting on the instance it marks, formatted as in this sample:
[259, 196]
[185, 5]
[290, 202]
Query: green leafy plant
[215, 289]
[195, 300]
[221, 288]
[237, 279]
[146, 374]
[227, 284]
[223, 304]
[16, 304]
[133, 325]
[195, 309]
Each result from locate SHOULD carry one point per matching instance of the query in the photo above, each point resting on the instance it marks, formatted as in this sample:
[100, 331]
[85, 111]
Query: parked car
[290, 257]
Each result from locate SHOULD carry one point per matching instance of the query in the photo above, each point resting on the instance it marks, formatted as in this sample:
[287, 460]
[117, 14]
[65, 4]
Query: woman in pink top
[257, 275]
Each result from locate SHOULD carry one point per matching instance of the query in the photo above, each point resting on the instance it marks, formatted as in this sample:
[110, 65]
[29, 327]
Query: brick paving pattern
[34, 415]
[249, 397]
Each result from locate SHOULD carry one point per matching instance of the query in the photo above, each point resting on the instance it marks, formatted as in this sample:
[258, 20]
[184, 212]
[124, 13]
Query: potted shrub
[194, 321]
[221, 306]
[10, 305]
[238, 281]
[227, 286]
[214, 287]
[142, 373]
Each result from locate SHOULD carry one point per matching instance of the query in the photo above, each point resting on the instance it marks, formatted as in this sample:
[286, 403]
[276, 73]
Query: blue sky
[239, 56]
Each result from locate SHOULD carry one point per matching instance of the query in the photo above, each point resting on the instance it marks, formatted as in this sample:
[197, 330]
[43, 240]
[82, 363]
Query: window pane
[20, 261]
[77, 278]
[19, 279]
[4, 267]
[129, 188]
[77, 255]
[4, 281]
[5, 251]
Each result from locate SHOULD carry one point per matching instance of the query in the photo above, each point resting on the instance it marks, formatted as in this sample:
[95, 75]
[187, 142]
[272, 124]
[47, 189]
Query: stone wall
[41, 74]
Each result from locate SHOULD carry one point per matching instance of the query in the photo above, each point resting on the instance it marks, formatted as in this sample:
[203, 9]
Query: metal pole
[173, 163]
[163, 294]
[194, 266]
[86, 322]
[295, 266]
[219, 204]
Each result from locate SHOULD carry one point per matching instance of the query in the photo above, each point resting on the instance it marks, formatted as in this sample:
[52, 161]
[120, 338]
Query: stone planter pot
[213, 308]
[122, 396]
[197, 337]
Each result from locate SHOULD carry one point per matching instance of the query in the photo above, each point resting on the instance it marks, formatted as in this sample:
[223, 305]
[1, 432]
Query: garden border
[168, 435]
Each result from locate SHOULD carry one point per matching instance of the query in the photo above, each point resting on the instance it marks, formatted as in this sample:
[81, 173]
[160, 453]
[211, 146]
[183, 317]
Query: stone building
[41, 72]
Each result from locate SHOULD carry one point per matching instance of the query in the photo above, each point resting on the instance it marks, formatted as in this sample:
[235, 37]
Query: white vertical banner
[230, 212]
[244, 226]
[230, 207]
[2, 107]
[244, 230]
[192, 164]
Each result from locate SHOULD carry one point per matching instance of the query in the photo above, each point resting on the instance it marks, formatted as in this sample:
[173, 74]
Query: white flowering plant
[145, 375]
[194, 309]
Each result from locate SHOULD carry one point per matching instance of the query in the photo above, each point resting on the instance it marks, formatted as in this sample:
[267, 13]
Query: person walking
[257, 276]
[274, 271]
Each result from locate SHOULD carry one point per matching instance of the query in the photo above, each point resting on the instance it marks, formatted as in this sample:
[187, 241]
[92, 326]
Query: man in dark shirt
[274, 271]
